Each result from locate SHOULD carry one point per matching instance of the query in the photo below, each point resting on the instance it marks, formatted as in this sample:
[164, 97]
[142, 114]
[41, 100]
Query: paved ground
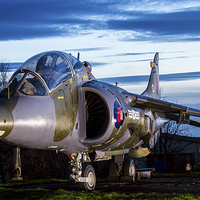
[157, 185]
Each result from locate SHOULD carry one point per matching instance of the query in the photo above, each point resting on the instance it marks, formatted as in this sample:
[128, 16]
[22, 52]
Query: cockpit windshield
[54, 67]
[15, 81]
[32, 86]
[26, 82]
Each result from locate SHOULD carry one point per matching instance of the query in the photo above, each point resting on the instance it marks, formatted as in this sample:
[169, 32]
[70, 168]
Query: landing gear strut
[121, 170]
[82, 172]
[17, 164]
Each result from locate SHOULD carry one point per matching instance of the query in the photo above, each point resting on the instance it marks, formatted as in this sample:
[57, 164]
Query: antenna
[78, 55]
[20, 68]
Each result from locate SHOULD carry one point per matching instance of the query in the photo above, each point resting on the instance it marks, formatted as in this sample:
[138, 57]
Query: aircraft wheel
[129, 168]
[88, 171]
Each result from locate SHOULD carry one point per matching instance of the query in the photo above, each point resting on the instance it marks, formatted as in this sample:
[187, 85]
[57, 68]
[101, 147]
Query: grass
[62, 194]
[6, 192]
[32, 182]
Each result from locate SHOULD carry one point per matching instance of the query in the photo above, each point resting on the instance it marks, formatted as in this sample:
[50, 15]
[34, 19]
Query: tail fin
[153, 85]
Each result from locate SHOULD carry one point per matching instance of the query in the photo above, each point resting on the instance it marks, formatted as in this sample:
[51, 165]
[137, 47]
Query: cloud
[166, 26]
[98, 64]
[146, 20]
[126, 80]
[130, 54]
[88, 49]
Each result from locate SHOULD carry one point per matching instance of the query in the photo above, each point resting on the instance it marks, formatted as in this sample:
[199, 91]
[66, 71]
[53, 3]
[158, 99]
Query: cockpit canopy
[54, 67]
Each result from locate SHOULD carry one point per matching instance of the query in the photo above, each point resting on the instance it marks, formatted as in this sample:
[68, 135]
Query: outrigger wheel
[88, 172]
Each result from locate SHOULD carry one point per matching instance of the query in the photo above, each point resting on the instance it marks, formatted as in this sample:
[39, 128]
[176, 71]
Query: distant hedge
[36, 164]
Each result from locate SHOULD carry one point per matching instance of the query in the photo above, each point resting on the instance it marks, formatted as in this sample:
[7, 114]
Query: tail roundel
[152, 89]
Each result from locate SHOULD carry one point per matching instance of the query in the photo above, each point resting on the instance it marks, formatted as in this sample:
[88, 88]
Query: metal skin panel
[6, 118]
[153, 84]
[66, 106]
[64, 114]
[6, 122]
[122, 140]
[34, 122]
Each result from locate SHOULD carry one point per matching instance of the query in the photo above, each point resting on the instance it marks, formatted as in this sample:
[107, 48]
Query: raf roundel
[118, 115]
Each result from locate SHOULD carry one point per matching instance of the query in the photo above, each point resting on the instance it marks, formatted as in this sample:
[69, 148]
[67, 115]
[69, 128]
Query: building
[176, 151]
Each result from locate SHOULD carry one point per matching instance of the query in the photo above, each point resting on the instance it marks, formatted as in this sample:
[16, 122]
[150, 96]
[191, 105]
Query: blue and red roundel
[118, 115]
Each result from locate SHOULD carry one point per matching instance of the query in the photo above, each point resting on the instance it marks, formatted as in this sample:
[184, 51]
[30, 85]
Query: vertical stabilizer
[153, 85]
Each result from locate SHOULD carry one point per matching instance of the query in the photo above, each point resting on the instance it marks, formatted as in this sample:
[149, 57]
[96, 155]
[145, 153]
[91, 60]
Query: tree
[6, 162]
[170, 140]
[4, 67]
[5, 150]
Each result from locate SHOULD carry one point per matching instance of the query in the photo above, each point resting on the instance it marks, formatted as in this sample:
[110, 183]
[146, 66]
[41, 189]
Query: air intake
[97, 115]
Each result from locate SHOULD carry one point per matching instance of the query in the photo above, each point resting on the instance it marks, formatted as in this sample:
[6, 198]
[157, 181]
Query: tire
[129, 168]
[88, 171]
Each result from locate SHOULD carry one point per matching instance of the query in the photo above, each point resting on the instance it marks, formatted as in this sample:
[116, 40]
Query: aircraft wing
[165, 109]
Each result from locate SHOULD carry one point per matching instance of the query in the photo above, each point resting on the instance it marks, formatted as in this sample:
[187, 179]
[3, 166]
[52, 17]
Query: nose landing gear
[82, 172]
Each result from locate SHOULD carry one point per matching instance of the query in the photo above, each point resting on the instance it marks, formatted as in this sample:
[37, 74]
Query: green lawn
[82, 195]
[6, 192]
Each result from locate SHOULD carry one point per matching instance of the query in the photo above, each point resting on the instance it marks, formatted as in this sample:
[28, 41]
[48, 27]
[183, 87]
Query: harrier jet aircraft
[54, 102]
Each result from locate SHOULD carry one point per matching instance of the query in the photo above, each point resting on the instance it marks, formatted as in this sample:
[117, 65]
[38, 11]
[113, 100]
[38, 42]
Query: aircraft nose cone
[6, 122]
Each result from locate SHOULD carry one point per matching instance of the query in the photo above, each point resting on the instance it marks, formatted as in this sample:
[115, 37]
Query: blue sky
[118, 37]
[147, 20]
